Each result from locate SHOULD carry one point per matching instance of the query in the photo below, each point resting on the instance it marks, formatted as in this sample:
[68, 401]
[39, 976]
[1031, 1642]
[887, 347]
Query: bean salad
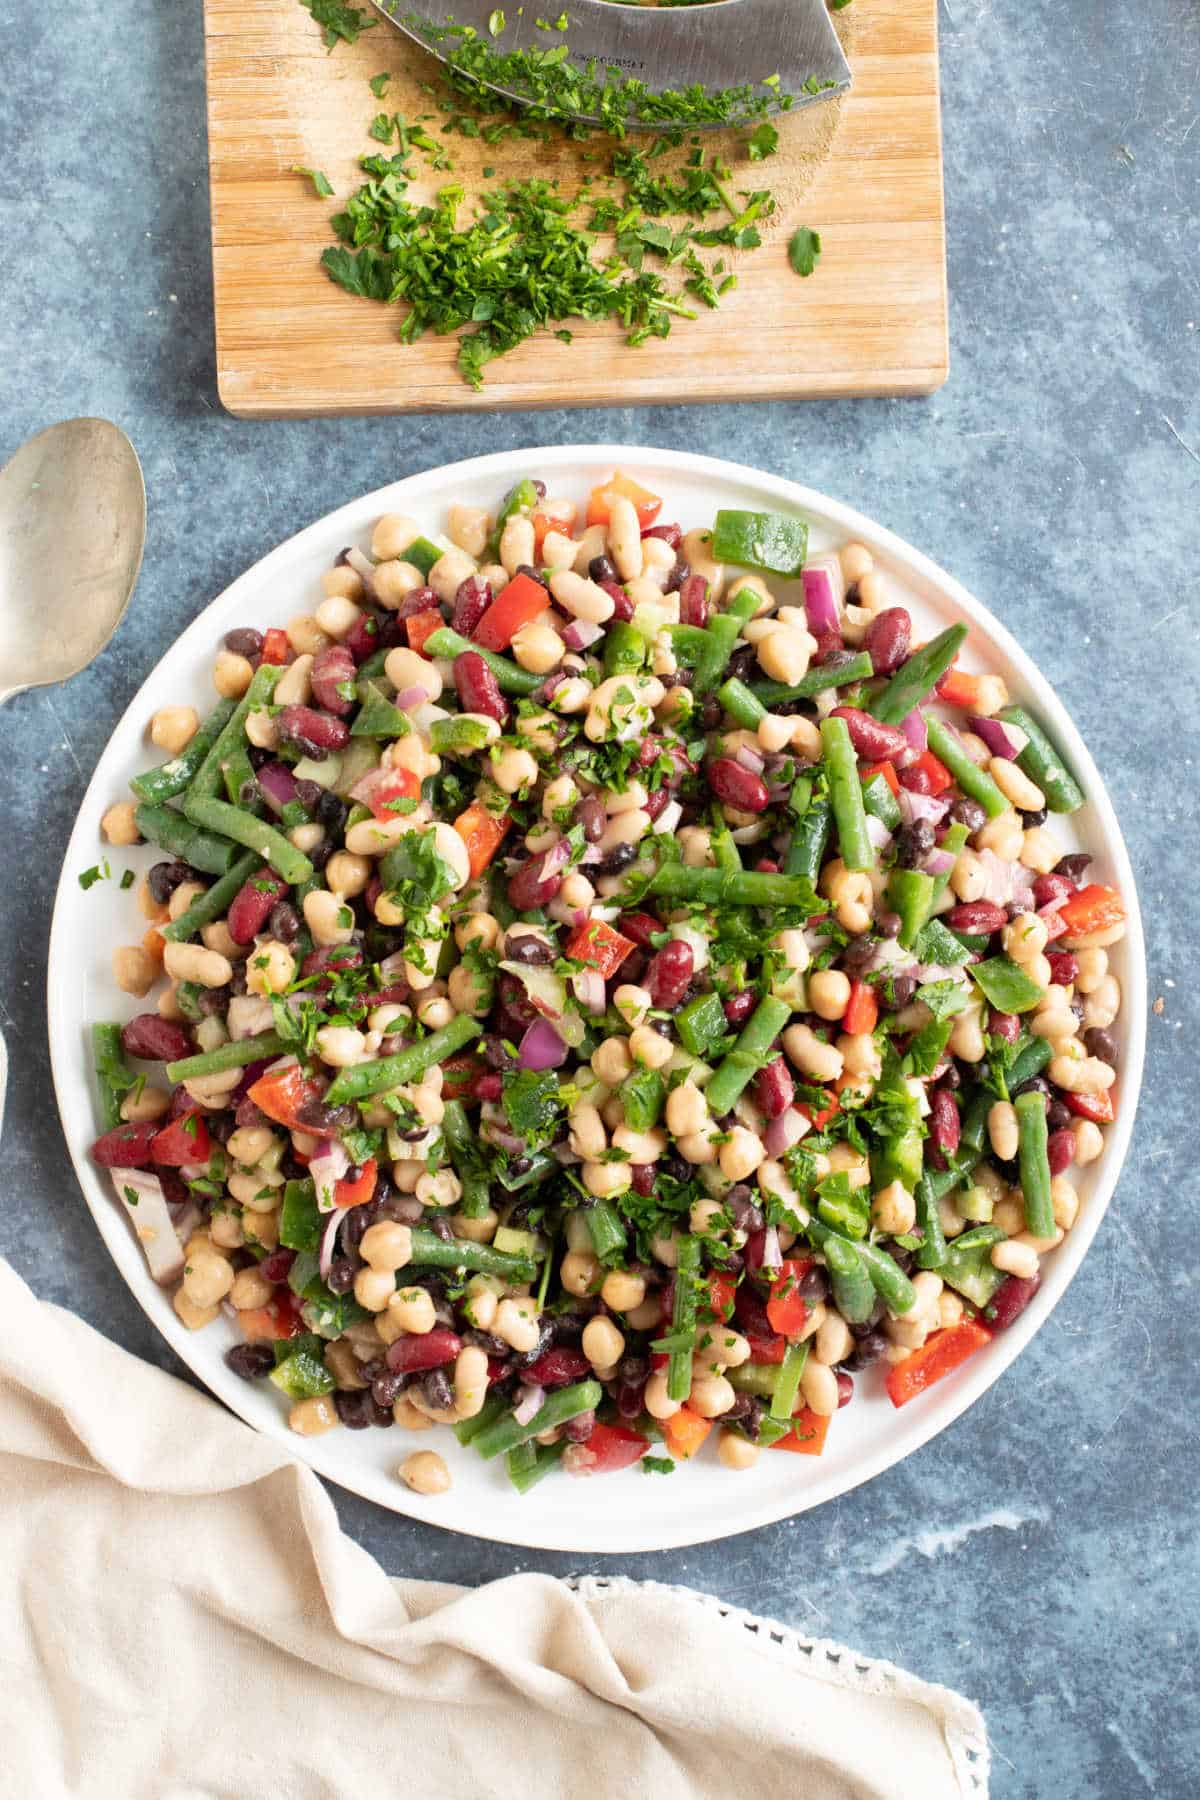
[611, 983]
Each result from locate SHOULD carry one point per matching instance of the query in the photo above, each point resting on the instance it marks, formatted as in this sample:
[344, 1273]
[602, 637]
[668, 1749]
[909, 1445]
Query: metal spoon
[72, 527]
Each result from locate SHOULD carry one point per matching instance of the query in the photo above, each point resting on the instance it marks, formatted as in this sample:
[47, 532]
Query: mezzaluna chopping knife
[640, 65]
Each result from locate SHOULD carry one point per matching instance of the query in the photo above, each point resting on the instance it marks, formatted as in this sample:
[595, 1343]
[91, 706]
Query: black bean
[747, 1412]
[341, 1275]
[864, 1327]
[1031, 820]
[354, 1409]
[309, 793]
[617, 860]
[1074, 867]
[869, 1349]
[591, 815]
[951, 1080]
[320, 854]
[436, 1390]
[284, 923]
[969, 813]
[165, 877]
[332, 812]
[249, 795]
[213, 1001]
[677, 577]
[440, 1226]
[711, 712]
[387, 1386]
[814, 1286]
[315, 1115]
[1101, 1043]
[245, 641]
[251, 1361]
[858, 953]
[746, 1215]
[913, 843]
[895, 991]
[259, 758]
[1058, 1116]
[495, 1055]
[523, 947]
[602, 568]
[221, 1126]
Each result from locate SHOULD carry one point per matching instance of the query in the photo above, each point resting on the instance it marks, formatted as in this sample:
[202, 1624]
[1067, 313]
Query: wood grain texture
[289, 343]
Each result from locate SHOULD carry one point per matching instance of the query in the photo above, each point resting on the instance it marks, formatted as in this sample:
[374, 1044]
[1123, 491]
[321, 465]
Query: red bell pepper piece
[483, 833]
[958, 689]
[766, 1349]
[281, 1092]
[598, 945]
[459, 1075]
[786, 1308]
[1097, 1107]
[886, 770]
[396, 784]
[819, 1120]
[515, 605]
[938, 776]
[279, 1318]
[721, 1292]
[807, 1436]
[684, 1432]
[546, 522]
[862, 1009]
[648, 505]
[357, 1192]
[184, 1140]
[939, 1355]
[422, 625]
[276, 650]
[1093, 908]
[608, 1448]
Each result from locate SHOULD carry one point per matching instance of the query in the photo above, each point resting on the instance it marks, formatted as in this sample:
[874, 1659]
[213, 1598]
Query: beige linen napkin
[183, 1617]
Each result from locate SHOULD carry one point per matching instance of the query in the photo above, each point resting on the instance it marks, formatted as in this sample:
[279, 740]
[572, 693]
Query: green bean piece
[751, 1053]
[947, 746]
[853, 1291]
[726, 852]
[1043, 764]
[944, 1181]
[1034, 1163]
[565, 1403]
[722, 633]
[915, 680]
[742, 706]
[467, 1430]
[113, 1075]
[429, 1251]
[810, 840]
[207, 779]
[817, 681]
[214, 902]
[787, 1382]
[529, 1462]
[972, 1131]
[607, 1231]
[933, 1238]
[951, 845]
[188, 996]
[754, 1378]
[255, 834]
[689, 642]
[624, 649]
[237, 1055]
[845, 794]
[468, 1164]
[541, 1164]
[1028, 1062]
[237, 774]
[683, 1319]
[888, 1279]
[170, 778]
[512, 679]
[378, 717]
[362, 1080]
[881, 803]
[180, 837]
[728, 887]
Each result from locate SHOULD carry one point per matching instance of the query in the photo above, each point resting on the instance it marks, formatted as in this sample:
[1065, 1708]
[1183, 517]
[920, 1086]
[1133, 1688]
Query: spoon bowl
[72, 528]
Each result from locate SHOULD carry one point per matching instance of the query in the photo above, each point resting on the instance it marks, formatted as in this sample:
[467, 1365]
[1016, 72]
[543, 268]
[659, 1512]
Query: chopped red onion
[151, 1219]
[328, 1240]
[783, 1132]
[248, 1016]
[411, 697]
[556, 859]
[278, 785]
[363, 567]
[565, 1156]
[933, 807]
[541, 1047]
[530, 1401]
[581, 634]
[668, 819]
[1000, 739]
[820, 598]
[914, 728]
[593, 854]
[749, 759]
[998, 878]
[588, 988]
[938, 862]
[762, 1249]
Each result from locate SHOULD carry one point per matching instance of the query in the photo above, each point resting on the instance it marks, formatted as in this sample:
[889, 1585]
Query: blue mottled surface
[1042, 1554]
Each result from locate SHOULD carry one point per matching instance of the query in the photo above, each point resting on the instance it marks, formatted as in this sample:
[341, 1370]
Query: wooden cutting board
[867, 176]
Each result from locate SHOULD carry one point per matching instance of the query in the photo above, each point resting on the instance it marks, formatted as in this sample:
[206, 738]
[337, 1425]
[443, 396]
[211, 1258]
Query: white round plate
[617, 1513]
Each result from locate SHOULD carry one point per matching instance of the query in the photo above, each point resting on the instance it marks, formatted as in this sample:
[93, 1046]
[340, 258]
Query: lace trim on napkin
[962, 1724]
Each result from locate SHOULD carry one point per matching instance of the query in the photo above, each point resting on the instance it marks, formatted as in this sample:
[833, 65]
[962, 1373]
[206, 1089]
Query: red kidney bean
[1060, 1149]
[362, 639]
[152, 1039]
[489, 1085]
[918, 780]
[774, 1090]
[670, 534]
[1064, 967]
[622, 604]
[977, 917]
[737, 787]
[639, 926]
[766, 866]
[471, 601]
[332, 672]
[1049, 888]
[591, 815]
[944, 1123]
[313, 733]
[657, 803]
[829, 645]
[749, 1305]
[328, 961]
[693, 601]
[669, 974]
[888, 638]
[127, 1147]
[642, 1177]
[845, 1387]
[738, 1007]
[1004, 1025]
[417, 600]
[870, 738]
[1010, 1300]
[478, 688]
[526, 889]
[554, 1368]
[252, 905]
[428, 1351]
[648, 751]
[275, 1267]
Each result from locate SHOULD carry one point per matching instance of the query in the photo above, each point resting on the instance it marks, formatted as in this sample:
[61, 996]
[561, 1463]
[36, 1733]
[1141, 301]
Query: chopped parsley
[321, 183]
[339, 22]
[804, 250]
[658, 1465]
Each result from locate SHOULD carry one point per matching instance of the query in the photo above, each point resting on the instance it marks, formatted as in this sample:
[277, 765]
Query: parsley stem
[112, 1073]
[683, 1319]
[464, 1154]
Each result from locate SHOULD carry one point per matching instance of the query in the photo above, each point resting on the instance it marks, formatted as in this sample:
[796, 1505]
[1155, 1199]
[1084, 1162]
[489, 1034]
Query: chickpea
[250, 1143]
[640, 1146]
[189, 962]
[232, 674]
[657, 1401]
[740, 1155]
[1093, 967]
[852, 895]
[861, 1056]
[216, 936]
[342, 582]
[1025, 937]
[1005, 835]
[327, 917]
[711, 1396]
[134, 970]
[736, 1452]
[966, 1038]
[513, 770]
[182, 898]
[478, 1231]
[119, 824]
[193, 1316]
[141, 1108]
[168, 1005]
[833, 1341]
[607, 1180]
[425, 1472]
[649, 1048]
[225, 1229]
[207, 1278]
[611, 1061]
[1089, 1141]
[469, 527]
[516, 1323]
[603, 1344]
[623, 1290]
[373, 1288]
[785, 653]
[633, 1003]
[250, 1289]
[828, 993]
[387, 1246]
[687, 1110]
[893, 1209]
[968, 878]
[1039, 850]
[405, 1413]
[173, 727]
